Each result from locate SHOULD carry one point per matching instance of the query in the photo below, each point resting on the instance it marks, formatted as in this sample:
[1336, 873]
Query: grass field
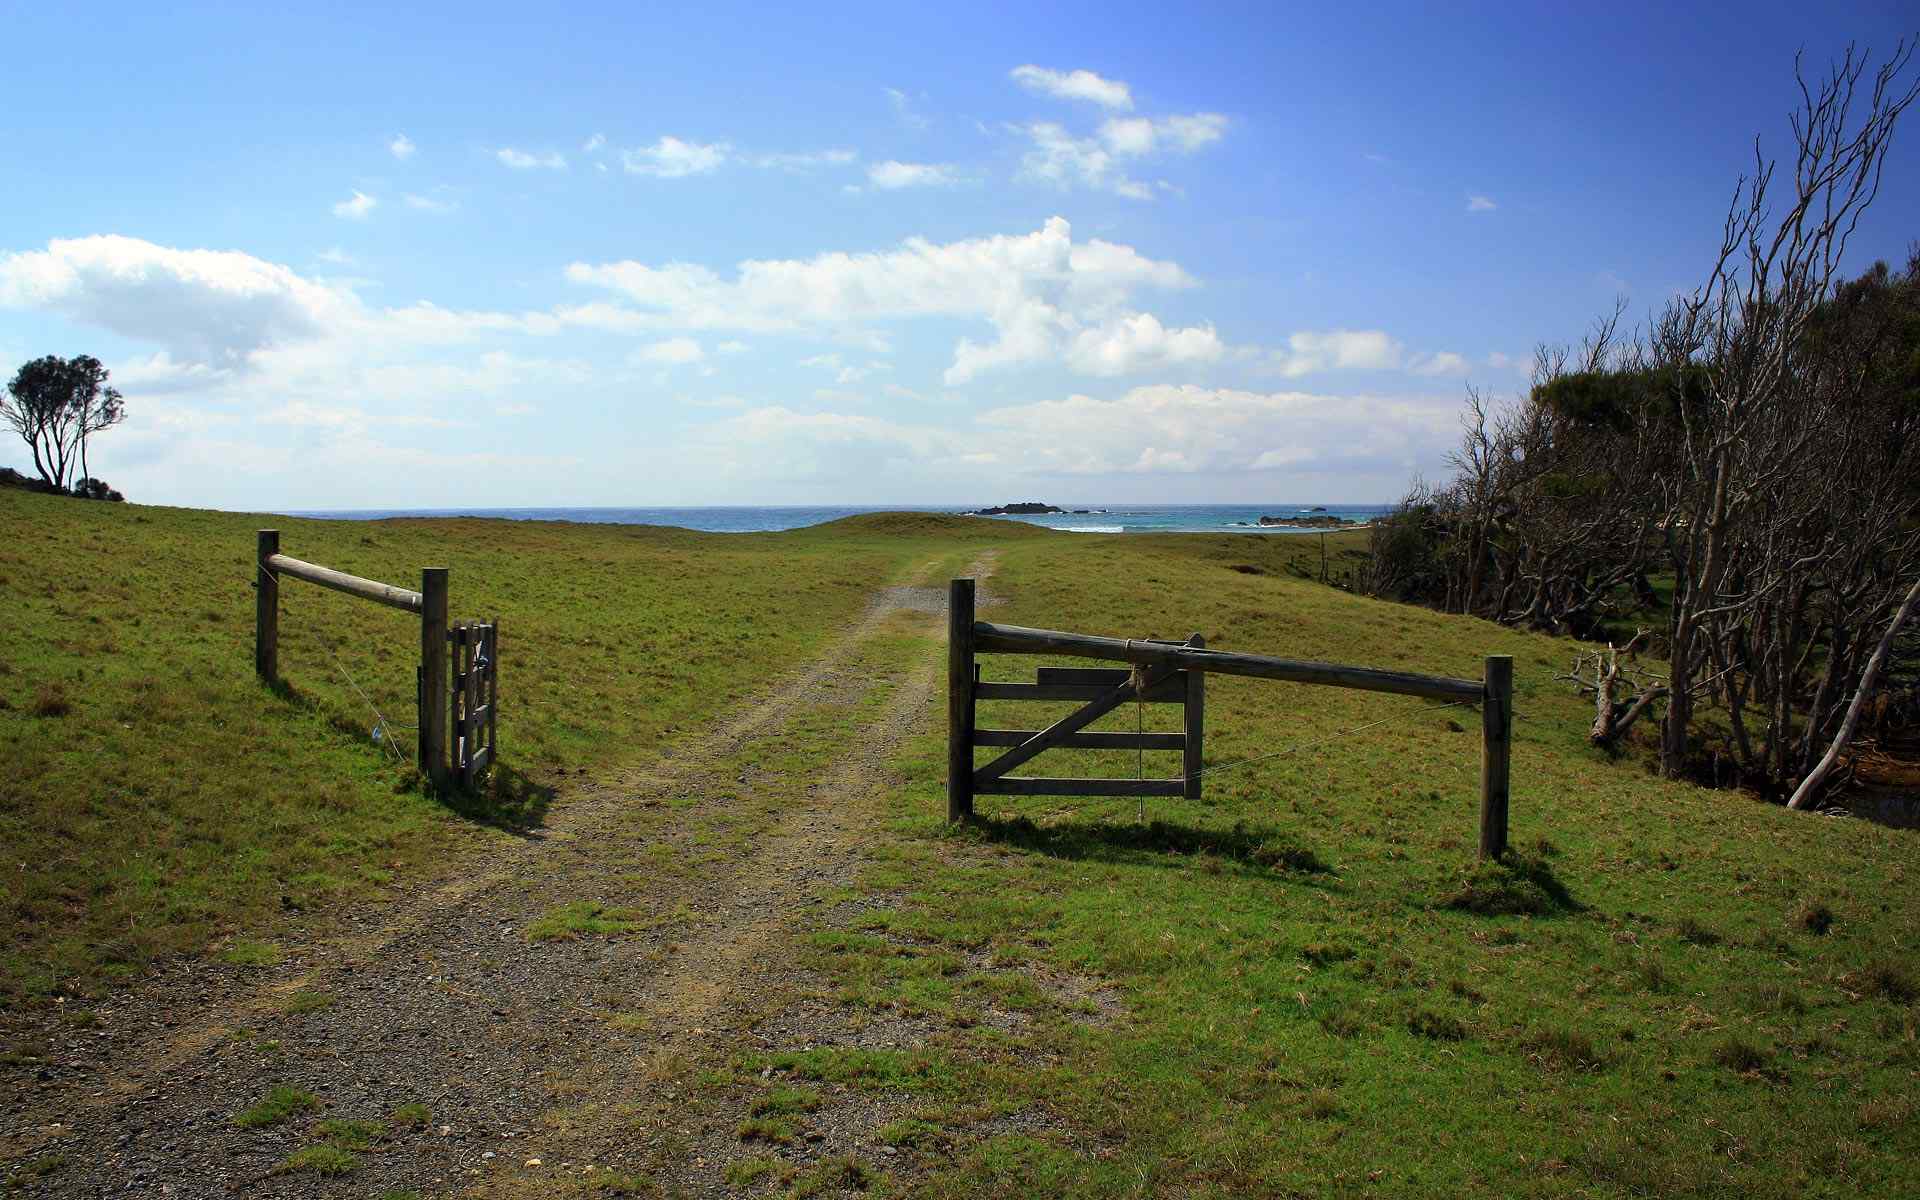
[1299, 985]
[166, 801]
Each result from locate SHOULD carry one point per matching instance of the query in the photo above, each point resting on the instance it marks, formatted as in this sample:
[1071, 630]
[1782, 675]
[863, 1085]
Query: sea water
[1098, 518]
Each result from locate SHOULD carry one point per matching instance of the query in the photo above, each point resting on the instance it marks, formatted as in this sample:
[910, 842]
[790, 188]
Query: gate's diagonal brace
[1074, 722]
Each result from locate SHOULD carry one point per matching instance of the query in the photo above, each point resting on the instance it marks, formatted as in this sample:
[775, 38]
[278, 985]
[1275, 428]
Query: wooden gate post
[1496, 754]
[960, 596]
[266, 607]
[1191, 765]
[433, 675]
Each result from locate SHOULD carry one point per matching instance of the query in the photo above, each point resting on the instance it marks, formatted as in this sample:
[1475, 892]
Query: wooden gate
[1104, 689]
[473, 713]
[474, 691]
[1166, 672]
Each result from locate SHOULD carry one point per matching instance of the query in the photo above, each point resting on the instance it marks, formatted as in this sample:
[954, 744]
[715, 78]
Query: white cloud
[1337, 350]
[1098, 162]
[334, 256]
[891, 176]
[1075, 85]
[802, 161]
[671, 158]
[1141, 343]
[1046, 297]
[903, 108]
[732, 347]
[674, 352]
[521, 160]
[1480, 204]
[355, 207]
[401, 147]
[1507, 362]
[427, 204]
[1133, 137]
[829, 448]
[1446, 362]
[1165, 429]
[594, 143]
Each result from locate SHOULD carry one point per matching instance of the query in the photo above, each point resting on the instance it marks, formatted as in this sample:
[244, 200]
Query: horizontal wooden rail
[1165, 693]
[1033, 785]
[1118, 740]
[352, 585]
[989, 638]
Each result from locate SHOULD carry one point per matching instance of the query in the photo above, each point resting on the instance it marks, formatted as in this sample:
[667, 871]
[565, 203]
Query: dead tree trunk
[1803, 795]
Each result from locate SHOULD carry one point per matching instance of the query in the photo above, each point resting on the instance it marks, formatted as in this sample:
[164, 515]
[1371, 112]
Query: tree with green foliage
[56, 405]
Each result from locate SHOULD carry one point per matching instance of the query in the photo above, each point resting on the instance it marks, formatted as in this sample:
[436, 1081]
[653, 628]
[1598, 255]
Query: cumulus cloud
[1480, 204]
[1337, 350]
[1046, 297]
[1445, 362]
[401, 147]
[212, 307]
[355, 207]
[593, 144]
[671, 158]
[1100, 162]
[1075, 85]
[427, 203]
[522, 160]
[674, 352]
[892, 176]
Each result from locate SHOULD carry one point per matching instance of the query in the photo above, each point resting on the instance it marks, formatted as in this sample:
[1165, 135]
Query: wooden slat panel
[1103, 676]
[1174, 692]
[1025, 785]
[1086, 741]
[1073, 722]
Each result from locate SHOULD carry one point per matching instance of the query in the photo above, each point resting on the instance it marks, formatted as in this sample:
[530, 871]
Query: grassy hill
[1305, 986]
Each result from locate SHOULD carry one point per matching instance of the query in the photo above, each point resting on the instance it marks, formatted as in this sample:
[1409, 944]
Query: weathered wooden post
[266, 607]
[1496, 754]
[433, 675]
[960, 597]
[1196, 721]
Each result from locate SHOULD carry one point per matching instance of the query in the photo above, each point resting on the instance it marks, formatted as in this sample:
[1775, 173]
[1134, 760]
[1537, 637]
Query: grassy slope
[176, 801]
[1679, 1030]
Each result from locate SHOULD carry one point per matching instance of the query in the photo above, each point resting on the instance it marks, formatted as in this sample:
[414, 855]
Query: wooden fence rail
[436, 706]
[1165, 672]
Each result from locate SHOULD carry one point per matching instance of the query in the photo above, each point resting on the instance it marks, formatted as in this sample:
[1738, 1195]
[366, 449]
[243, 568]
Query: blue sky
[719, 254]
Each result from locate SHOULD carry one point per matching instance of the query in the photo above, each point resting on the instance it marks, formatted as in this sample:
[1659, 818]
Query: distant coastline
[1096, 518]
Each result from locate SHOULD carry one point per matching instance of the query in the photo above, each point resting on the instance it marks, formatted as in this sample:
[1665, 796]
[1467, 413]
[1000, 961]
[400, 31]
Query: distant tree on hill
[56, 404]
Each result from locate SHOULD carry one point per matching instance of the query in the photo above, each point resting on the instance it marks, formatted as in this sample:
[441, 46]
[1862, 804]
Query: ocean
[1098, 518]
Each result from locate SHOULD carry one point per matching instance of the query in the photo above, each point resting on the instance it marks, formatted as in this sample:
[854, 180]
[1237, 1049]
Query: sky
[408, 256]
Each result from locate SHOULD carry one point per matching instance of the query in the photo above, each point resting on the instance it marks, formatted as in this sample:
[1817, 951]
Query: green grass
[318, 1160]
[1300, 984]
[167, 797]
[279, 1104]
[1663, 991]
[580, 918]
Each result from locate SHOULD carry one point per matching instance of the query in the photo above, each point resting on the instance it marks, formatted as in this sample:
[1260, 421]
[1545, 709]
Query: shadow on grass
[1517, 884]
[1159, 843]
[507, 799]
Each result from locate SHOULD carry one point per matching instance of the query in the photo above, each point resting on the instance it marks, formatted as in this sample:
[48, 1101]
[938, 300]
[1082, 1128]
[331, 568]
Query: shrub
[1439, 1026]
[50, 700]
[1738, 1054]
[1816, 919]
